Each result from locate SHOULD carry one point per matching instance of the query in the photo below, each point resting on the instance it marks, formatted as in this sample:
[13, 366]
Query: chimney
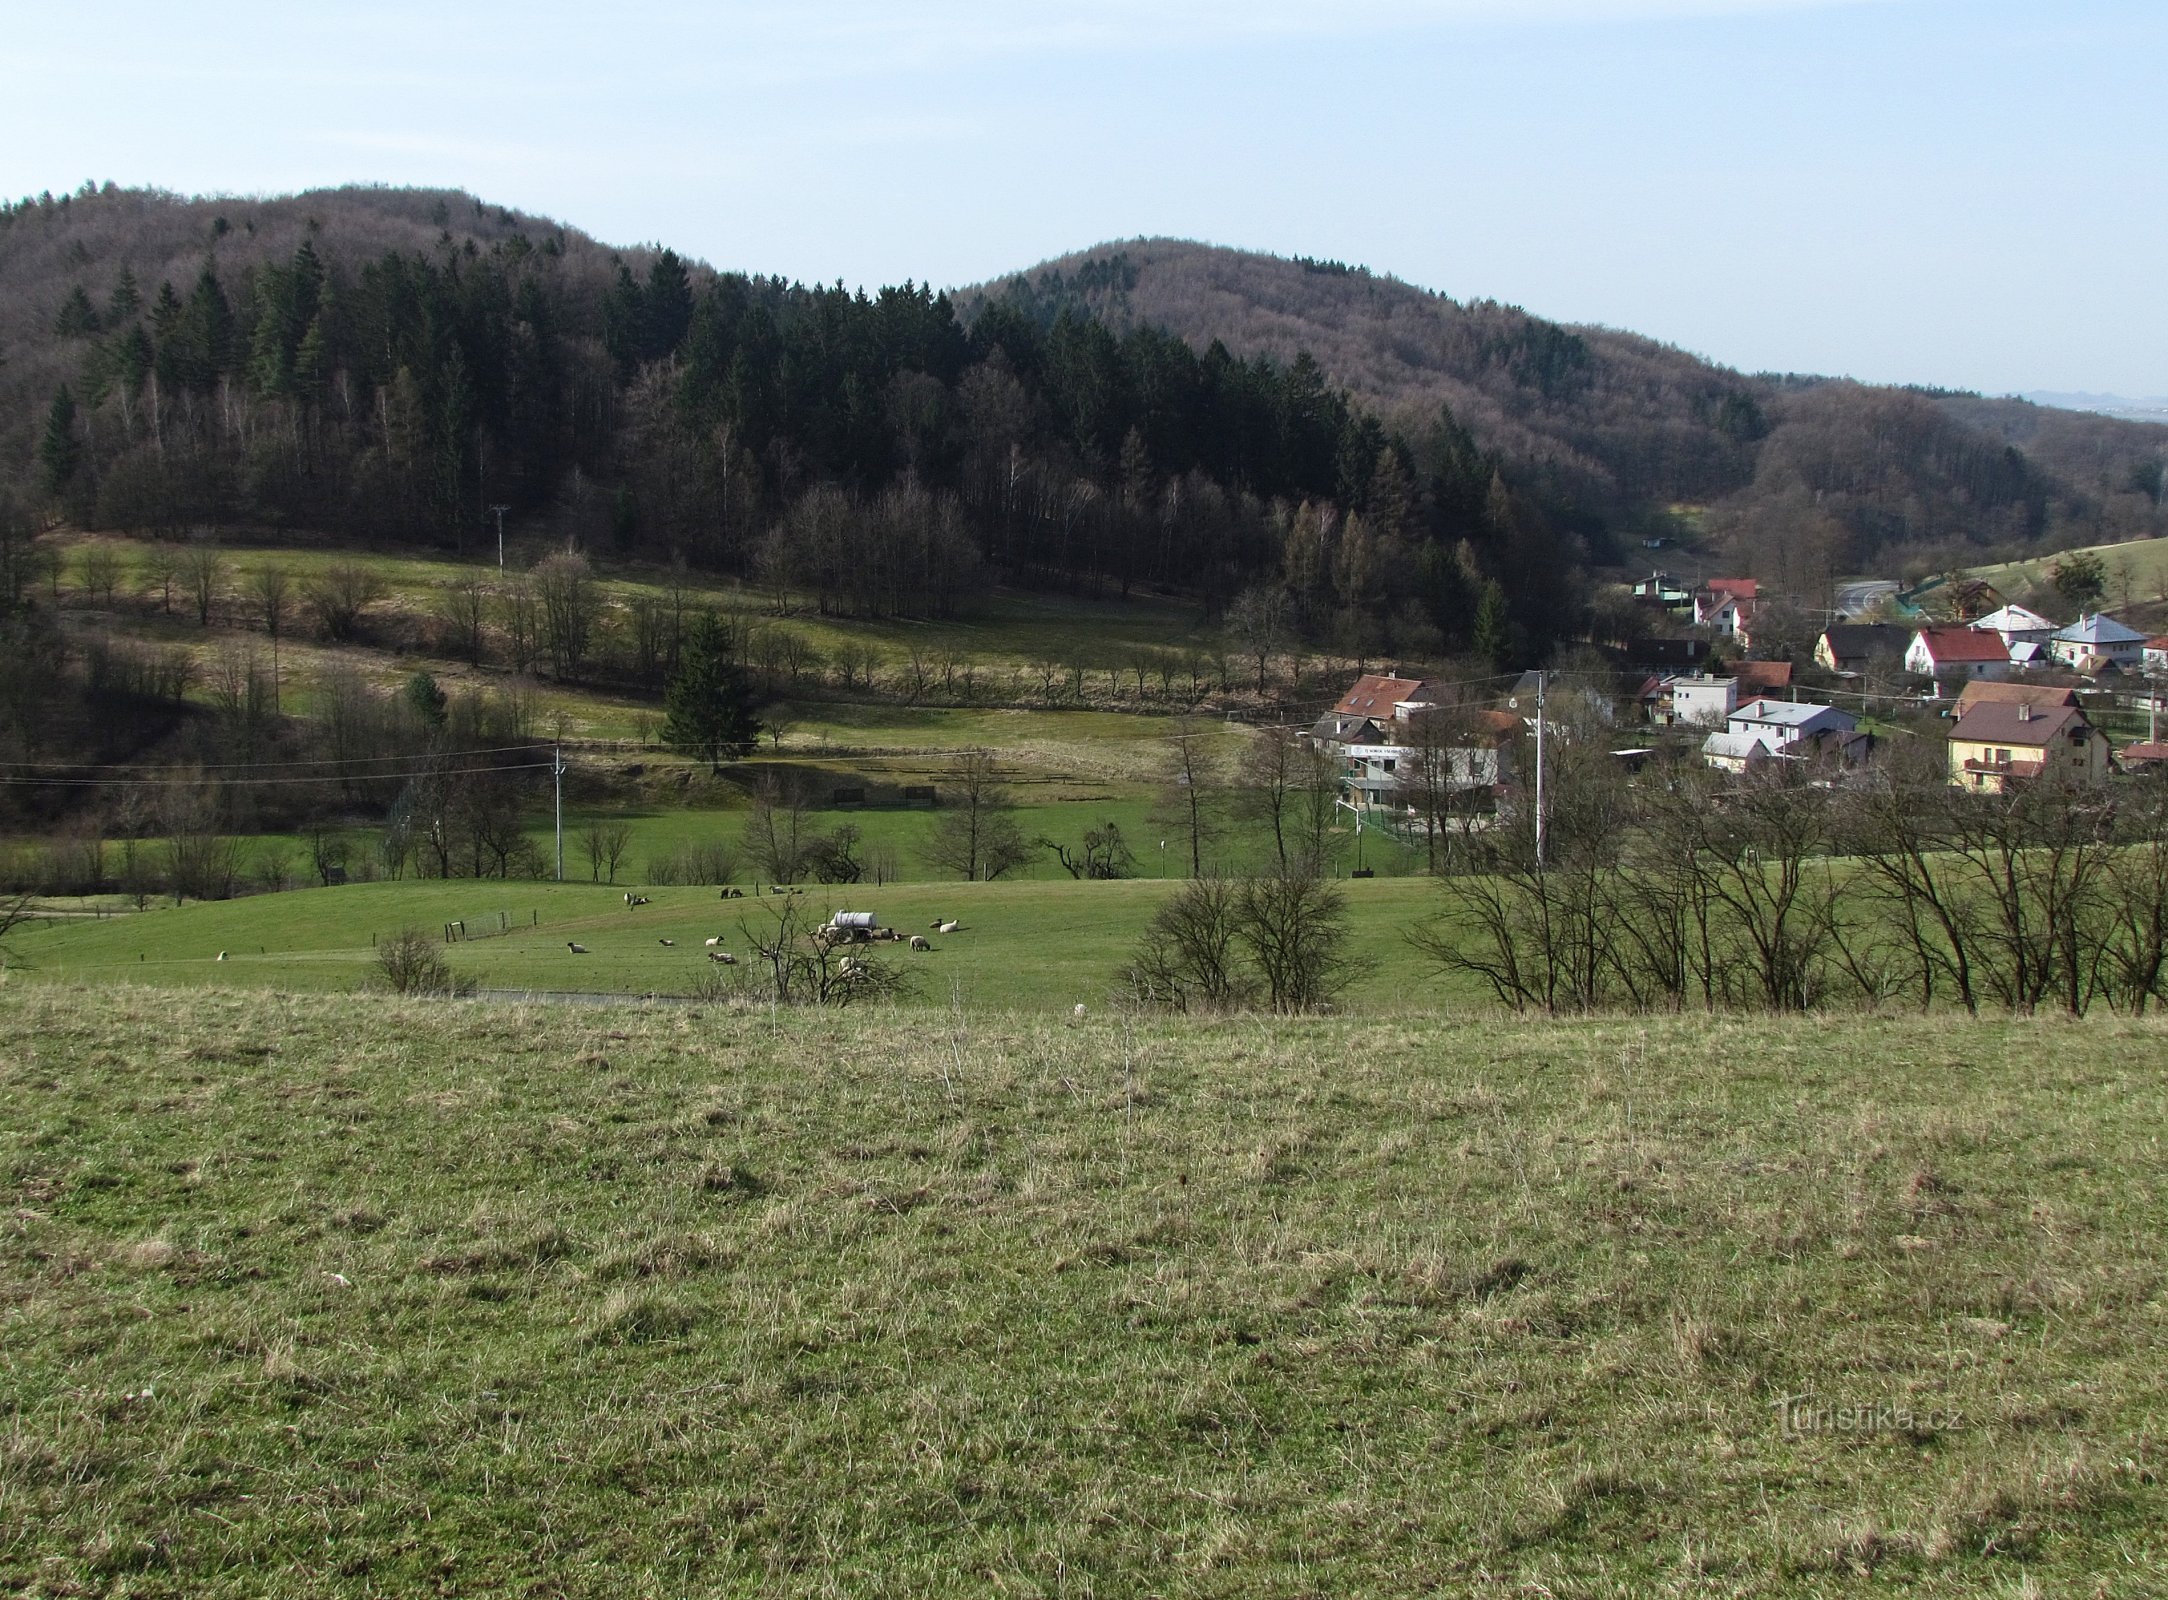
[2024, 711]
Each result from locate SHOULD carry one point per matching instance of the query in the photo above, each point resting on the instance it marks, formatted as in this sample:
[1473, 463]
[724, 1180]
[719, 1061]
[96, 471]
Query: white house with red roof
[1956, 652]
[1726, 604]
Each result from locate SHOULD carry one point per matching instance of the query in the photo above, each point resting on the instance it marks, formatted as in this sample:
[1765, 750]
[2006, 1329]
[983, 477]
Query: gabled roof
[1345, 729]
[1998, 722]
[2143, 754]
[1847, 639]
[2040, 696]
[1734, 588]
[1792, 714]
[1757, 677]
[1734, 746]
[2099, 630]
[1375, 695]
[2013, 619]
[1962, 644]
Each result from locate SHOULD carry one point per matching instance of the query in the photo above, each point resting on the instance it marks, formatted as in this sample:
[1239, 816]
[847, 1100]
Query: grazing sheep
[1078, 1014]
[667, 944]
[712, 940]
[576, 949]
[946, 927]
[723, 958]
[919, 942]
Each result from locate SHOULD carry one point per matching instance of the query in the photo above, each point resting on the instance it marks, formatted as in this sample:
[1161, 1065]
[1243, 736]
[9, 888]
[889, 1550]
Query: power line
[236, 766]
[190, 783]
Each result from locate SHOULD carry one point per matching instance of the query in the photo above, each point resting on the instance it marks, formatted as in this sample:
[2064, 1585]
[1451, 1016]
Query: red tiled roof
[1737, 588]
[2144, 753]
[1375, 695]
[1964, 644]
[1757, 677]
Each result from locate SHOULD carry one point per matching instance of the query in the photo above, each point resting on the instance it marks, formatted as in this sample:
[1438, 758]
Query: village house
[1996, 741]
[1662, 589]
[2040, 696]
[2096, 643]
[1850, 646]
[1763, 730]
[2015, 625]
[2153, 660]
[1952, 653]
[1726, 605]
[1703, 701]
[1478, 755]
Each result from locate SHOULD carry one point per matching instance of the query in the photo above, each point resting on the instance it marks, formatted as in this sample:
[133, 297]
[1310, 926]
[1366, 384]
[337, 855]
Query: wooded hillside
[1808, 473]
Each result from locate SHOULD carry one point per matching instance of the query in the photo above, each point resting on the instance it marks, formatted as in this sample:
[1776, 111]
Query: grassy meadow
[1026, 945]
[334, 1296]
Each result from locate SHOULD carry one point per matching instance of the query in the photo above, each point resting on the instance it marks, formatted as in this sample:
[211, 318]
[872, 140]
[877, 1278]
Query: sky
[1966, 193]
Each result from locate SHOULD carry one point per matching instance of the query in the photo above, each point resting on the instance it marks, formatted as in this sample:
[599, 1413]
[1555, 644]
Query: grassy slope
[1024, 944]
[2148, 564]
[336, 1297]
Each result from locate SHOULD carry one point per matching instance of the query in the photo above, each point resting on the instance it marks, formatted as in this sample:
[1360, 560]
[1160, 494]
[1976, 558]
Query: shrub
[410, 963]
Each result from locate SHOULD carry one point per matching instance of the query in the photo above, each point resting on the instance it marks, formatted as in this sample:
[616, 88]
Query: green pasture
[2141, 565]
[330, 1296]
[1030, 945]
[1004, 627]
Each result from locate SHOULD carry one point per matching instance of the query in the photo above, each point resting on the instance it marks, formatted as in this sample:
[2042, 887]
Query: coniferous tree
[60, 453]
[708, 705]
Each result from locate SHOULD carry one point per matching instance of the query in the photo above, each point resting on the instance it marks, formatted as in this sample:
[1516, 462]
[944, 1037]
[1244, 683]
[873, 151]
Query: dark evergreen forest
[873, 452]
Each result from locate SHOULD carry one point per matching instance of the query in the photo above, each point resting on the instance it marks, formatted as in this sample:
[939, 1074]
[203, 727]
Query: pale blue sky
[1962, 192]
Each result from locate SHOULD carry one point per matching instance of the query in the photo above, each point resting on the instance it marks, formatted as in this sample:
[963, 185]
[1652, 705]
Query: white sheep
[576, 949]
[712, 941]
[919, 942]
[1078, 1014]
[222, 955]
[946, 927]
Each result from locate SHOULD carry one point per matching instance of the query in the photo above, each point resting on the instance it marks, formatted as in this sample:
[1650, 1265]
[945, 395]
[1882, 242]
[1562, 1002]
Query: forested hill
[1620, 425]
[1361, 463]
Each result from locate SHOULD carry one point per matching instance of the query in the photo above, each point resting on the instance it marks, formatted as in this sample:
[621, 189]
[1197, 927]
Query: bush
[1219, 944]
[410, 963]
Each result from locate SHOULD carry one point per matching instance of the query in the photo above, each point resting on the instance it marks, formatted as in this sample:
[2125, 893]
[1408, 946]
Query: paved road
[1857, 599]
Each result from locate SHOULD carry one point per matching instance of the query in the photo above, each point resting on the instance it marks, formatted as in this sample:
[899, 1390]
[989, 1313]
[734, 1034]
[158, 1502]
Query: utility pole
[557, 771]
[1541, 682]
[500, 511]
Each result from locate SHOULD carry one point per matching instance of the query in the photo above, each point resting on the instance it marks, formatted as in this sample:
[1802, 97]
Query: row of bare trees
[1782, 893]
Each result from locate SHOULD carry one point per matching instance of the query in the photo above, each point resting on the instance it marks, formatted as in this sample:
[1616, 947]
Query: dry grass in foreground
[340, 1296]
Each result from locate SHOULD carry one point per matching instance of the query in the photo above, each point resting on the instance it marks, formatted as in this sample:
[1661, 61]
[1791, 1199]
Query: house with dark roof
[1996, 743]
[1850, 646]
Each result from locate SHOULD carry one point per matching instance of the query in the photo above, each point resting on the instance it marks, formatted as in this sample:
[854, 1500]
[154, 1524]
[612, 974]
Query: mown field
[1030, 945]
[329, 1296]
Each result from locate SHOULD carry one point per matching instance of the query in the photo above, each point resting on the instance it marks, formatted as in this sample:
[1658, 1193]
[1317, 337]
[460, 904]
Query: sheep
[667, 944]
[576, 948]
[946, 927]
[722, 958]
[1078, 1014]
[919, 942]
[712, 940]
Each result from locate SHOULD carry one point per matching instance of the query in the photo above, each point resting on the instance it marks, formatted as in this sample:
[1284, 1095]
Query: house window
[2002, 758]
[1389, 765]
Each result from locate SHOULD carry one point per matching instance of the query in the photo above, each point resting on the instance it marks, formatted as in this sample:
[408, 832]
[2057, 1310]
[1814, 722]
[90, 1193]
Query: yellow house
[1993, 742]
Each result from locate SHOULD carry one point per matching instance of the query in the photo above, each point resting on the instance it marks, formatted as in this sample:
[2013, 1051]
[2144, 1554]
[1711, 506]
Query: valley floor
[331, 1295]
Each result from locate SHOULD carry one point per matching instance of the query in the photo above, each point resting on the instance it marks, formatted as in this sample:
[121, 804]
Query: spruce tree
[708, 704]
[60, 452]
